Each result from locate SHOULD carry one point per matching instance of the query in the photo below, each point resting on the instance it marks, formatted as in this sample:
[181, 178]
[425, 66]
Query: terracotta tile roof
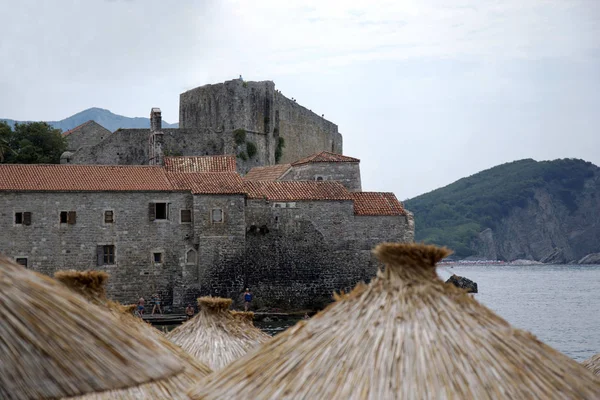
[325, 156]
[88, 178]
[269, 173]
[296, 190]
[220, 163]
[376, 203]
[208, 182]
[78, 127]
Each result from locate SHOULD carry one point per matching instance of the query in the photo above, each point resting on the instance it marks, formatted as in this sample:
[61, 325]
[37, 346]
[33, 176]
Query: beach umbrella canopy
[593, 364]
[91, 284]
[53, 343]
[214, 336]
[247, 317]
[406, 335]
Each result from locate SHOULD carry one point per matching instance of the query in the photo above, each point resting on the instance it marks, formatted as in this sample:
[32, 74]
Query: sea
[560, 304]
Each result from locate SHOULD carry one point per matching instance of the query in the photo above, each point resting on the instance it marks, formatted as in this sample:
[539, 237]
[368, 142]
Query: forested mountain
[107, 119]
[541, 210]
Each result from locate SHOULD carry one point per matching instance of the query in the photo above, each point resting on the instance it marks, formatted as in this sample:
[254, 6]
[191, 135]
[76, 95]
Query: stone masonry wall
[88, 135]
[303, 131]
[51, 246]
[348, 174]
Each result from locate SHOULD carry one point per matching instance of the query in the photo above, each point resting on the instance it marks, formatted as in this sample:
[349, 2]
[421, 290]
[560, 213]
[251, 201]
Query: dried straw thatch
[406, 335]
[53, 343]
[214, 336]
[91, 285]
[593, 364]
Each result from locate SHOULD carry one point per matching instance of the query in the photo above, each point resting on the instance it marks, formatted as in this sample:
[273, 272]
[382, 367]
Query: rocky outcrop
[463, 283]
[548, 228]
[593, 258]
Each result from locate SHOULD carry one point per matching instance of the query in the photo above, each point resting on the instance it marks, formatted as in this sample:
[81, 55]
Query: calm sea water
[560, 304]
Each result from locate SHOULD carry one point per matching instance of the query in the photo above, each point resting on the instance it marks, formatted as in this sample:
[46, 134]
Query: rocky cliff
[546, 211]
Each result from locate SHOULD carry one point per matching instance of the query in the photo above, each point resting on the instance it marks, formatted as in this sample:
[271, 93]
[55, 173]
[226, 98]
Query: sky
[424, 92]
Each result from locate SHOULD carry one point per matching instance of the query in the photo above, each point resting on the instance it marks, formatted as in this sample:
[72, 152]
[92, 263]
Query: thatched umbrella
[593, 364]
[247, 317]
[406, 335]
[53, 343]
[91, 284]
[214, 336]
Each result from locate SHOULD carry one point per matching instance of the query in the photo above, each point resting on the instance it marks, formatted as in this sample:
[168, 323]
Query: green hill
[455, 215]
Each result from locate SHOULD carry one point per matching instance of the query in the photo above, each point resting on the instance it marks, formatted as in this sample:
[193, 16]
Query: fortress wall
[304, 131]
[88, 135]
[123, 147]
[348, 174]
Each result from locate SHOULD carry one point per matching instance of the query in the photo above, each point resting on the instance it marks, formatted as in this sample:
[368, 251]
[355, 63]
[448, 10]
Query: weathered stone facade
[186, 234]
[84, 135]
[275, 129]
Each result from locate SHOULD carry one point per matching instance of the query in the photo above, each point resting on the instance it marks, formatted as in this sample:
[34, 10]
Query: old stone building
[250, 120]
[195, 227]
[251, 191]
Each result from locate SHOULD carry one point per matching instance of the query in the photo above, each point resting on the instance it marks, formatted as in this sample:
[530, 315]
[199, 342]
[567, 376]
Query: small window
[22, 261]
[318, 178]
[190, 257]
[157, 257]
[19, 218]
[186, 216]
[158, 211]
[217, 215]
[106, 255]
[68, 217]
[109, 217]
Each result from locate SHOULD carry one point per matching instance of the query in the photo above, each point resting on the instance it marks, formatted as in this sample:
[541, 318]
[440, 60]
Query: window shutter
[168, 210]
[151, 212]
[71, 218]
[99, 255]
[27, 218]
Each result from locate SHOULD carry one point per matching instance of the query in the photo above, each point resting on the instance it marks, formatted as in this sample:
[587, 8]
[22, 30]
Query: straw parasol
[593, 364]
[406, 335]
[53, 343]
[214, 336]
[247, 317]
[91, 284]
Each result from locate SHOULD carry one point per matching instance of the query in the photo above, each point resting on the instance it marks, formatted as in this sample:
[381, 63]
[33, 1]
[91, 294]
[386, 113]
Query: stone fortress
[251, 191]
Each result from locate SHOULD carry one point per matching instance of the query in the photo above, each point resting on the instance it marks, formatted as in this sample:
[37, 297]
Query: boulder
[557, 256]
[463, 283]
[593, 258]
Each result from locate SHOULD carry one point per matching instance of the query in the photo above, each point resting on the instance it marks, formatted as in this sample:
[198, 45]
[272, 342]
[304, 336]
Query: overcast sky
[424, 91]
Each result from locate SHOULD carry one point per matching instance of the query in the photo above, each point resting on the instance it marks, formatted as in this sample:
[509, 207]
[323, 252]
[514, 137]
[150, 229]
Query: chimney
[155, 119]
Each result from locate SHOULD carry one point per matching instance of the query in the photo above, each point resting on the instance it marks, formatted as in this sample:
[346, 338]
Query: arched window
[190, 256]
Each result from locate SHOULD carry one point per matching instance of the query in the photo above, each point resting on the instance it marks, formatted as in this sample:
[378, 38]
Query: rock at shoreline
[463, 283]
[557, 256]
[593, 258]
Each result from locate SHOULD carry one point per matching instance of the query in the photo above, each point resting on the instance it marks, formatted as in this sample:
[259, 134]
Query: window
[157, 258]
[22, 261]
[318, 178]
[18, 218]
[158, 211]
[190, 257]
[109, 217]
[106, 254]
[216, 215]
[68, 217]
[186, 216]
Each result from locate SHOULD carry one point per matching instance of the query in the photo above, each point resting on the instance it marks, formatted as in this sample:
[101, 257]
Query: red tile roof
[208, 182]
[220, 163]
[268, 173]
[88, 178]
[377, 203]
[77, 128]
[296, 190]
[325, 156]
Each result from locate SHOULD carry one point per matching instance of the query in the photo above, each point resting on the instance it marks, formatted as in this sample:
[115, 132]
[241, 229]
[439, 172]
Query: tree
[31, 143]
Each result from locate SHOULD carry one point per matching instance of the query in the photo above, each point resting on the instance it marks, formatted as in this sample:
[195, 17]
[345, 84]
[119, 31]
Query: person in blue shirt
[247, 299]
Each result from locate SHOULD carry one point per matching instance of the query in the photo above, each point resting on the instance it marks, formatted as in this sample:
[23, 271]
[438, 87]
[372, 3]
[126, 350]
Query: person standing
[247, 299]
[140, 306]
[156, 301]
